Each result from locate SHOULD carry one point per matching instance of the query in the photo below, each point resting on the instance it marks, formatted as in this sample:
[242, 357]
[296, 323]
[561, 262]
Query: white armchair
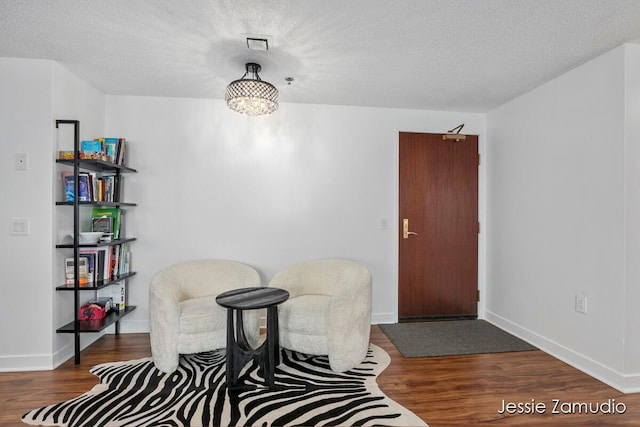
[328, 312]
[185, 317]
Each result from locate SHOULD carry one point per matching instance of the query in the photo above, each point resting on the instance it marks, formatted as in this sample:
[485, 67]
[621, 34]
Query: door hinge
[478, 227]
[478, 159]
[478, 295]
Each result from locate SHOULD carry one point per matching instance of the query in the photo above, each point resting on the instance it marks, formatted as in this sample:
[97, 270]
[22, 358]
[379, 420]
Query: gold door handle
[405, 229]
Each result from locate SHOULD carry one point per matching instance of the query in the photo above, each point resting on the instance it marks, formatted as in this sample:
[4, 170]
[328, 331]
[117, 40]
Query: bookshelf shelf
[107, 262]
[106, 204]
[96, 245]
[97, 165]
[95, 325]
[95, 287]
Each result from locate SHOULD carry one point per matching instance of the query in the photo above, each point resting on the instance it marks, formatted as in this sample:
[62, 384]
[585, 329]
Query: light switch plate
[20, 226]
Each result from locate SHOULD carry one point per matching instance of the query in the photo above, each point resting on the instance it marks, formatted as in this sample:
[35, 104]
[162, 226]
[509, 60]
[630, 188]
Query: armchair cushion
[304, 323]
[200, 315]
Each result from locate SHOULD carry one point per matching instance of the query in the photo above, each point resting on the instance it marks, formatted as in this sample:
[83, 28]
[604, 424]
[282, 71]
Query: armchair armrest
[164, 311]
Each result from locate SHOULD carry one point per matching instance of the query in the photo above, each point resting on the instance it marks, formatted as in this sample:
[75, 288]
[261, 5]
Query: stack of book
[106, 149]
[92, 188]
[104, 264]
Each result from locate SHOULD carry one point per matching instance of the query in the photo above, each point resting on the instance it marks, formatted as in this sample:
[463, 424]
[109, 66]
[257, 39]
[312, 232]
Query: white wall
[310, 181]
[33, 93]
[632, 201]
[556, 197]
[25, 261]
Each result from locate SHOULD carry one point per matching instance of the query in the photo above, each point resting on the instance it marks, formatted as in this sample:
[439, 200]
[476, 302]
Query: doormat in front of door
[451, 337]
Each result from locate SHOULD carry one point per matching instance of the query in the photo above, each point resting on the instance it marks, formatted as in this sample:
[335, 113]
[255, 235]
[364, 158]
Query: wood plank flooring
[443, 391]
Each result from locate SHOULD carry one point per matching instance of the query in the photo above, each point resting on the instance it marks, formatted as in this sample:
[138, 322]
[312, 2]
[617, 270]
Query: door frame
[482, 314]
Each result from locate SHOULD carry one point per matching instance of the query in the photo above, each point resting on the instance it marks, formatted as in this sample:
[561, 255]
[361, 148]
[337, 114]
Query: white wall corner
[611, 377]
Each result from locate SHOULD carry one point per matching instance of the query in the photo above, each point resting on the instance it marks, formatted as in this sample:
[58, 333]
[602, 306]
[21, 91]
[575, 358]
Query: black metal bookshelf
[77, 326]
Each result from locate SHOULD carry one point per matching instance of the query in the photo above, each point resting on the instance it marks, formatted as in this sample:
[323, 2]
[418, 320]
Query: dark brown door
[438, 257]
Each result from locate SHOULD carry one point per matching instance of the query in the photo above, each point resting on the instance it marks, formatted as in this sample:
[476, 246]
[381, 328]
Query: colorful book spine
[115, 149]
[68, 182]
[84, 188]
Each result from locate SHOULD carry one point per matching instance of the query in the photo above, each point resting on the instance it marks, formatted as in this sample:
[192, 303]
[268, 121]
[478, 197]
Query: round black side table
[239, 352]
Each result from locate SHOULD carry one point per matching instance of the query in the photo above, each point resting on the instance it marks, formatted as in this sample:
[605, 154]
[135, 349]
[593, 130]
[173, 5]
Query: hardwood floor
[443, 391]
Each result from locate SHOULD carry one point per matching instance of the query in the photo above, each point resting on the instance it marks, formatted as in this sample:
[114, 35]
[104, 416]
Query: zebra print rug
[307, 393]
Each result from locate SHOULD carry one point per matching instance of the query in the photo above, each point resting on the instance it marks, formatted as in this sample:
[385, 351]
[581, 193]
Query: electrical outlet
[384, 224]
[581, 303]
[21, 161]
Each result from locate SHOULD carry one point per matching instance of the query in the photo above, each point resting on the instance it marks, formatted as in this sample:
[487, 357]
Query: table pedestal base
[239, 351]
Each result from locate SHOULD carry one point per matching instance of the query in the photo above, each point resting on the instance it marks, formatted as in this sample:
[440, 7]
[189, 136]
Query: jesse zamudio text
[557, 406]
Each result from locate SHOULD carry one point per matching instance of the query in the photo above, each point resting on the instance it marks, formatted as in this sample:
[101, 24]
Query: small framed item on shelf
[114, 216]
[103, 224]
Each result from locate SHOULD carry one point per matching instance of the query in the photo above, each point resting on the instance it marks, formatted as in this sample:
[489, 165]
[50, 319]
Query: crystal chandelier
[252, 96]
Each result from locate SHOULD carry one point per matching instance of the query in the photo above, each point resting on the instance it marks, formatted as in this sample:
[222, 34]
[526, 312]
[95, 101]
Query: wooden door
[438, 265]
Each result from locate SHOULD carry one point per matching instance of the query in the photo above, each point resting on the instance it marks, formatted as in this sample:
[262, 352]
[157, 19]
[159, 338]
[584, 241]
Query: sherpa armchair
[185, 317]
[328, 312]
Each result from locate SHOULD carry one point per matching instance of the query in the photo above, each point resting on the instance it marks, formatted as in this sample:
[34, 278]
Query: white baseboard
[47, 362]
[380, 318]
[130, 327]
[621, 382]
[26, 362]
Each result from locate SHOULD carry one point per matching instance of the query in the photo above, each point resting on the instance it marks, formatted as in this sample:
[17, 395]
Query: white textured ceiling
[453, 55]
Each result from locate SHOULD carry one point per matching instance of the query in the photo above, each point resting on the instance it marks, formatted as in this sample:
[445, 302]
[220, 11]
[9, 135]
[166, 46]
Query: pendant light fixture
[252, 96]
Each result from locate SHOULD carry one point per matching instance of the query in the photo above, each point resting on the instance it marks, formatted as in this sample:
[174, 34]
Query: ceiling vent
[257, 43]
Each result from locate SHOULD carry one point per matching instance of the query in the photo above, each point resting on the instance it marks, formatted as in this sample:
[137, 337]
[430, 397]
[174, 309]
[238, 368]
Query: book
[65, 155]
[90, 259]
[122, 148]
[111, 148]
[103, 260]
[111, 188]
[114, 214]
[100, 190]
[123, 266]
[68, 182]
[84, 187]
[91, 254]
[93, 186]
[91, 149]
[115, 258]
[69, 264]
